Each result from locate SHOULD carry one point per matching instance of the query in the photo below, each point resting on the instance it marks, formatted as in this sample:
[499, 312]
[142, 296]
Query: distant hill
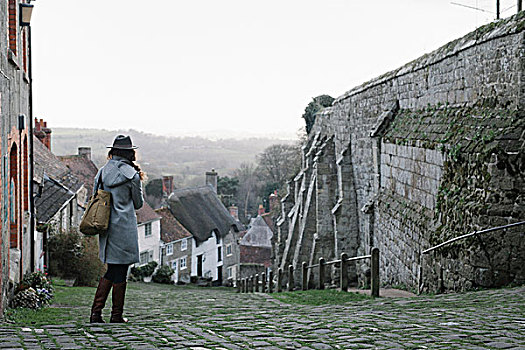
[187, 158]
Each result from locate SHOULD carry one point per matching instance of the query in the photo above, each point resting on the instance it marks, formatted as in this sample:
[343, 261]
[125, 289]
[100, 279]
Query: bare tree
[279, 162]
[248, 185]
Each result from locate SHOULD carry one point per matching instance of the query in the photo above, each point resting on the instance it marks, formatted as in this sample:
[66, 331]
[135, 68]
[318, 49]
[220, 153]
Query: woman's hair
[128, 154]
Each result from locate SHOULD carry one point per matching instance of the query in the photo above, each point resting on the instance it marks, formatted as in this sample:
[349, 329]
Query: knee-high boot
[101, 295]
[118, 295]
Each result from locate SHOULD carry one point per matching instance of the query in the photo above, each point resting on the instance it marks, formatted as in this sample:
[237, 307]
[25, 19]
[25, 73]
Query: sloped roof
[170, 228]
[258, 235]
[268, 219]
[83, 168]
[46, 162]
[201, 211]
[59, 185]
[54, 195]
[146, 214]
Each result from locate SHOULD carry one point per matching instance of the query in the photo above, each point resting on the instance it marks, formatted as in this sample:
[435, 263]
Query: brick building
[256, 246]
[15, 142]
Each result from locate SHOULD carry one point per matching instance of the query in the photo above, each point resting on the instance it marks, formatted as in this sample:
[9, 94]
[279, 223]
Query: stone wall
[390, 165]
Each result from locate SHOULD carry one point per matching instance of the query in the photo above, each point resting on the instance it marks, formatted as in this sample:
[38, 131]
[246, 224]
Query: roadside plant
[148, 269]
[163, 275]
[75, 256]
[138, 273]
[34, 291]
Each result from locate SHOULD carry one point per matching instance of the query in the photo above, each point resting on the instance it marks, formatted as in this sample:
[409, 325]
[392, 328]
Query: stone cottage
[59, 198]
[176, 245]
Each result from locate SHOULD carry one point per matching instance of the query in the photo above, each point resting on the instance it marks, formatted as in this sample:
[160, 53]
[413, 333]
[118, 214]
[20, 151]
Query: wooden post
[344, 273]
[279, 280]
[270, 282]
[238, 285]
[375, 272]
[263, 282]
[305, 276]
[256, 283]
[497, 9]
[520, 5]
[291, 284]
[321, 274]
[243, 285]
[249, 284]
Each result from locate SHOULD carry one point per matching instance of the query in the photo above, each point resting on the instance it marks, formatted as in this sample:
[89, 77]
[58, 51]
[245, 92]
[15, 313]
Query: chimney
[42, 132]
[85, 152]
[261, 210]
[167, 185]
[234, 212]
[274, 200]
[211, 179]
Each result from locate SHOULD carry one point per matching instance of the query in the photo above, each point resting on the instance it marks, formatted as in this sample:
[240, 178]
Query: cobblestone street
[169, 317]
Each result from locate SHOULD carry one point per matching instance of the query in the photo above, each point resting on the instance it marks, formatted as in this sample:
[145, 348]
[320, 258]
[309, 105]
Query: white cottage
[148, 224]
[202, 213]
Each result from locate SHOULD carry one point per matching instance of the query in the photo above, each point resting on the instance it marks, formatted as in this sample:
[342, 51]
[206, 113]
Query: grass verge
[67, 306]
[319, 297]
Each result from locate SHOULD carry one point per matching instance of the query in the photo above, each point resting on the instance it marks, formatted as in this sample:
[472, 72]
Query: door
[219, 275]
[199, 265]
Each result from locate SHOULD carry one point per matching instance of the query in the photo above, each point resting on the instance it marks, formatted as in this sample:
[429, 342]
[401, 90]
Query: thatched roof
[201, 212]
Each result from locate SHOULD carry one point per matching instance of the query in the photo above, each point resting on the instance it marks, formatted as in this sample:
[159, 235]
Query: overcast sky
[195, 67]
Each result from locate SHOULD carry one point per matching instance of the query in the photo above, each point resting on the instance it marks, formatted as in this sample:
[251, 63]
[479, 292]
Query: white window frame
[230, 272]
[174, 264]
[229, 250]
[184, 244]
[183, 263]
[144, 253]
[169, 249]
[148, 228]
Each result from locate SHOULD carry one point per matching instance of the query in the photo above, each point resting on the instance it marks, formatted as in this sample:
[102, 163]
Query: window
[182, 263]
[228, 250]
[230, 271]
[169, 249]
[147, 229]
[219, 253]
[184, 244]
[144, 257]
[174, 265]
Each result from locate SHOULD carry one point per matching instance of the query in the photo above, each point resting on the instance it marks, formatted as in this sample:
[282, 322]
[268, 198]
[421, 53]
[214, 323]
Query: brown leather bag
[96, 217]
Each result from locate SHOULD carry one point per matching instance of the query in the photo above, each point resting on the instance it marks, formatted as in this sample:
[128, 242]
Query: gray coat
[119, 245]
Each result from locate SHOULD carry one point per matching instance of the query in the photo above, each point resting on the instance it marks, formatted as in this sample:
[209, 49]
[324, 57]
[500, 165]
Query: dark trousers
[117, 273]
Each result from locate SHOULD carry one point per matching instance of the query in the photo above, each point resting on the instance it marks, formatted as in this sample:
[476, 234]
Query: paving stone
[191, 319]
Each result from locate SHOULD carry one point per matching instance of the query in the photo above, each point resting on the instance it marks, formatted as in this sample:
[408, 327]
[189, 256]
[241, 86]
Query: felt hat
[122, 142]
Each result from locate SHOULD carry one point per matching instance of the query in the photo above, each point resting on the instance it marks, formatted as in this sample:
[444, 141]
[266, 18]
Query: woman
[119, 244]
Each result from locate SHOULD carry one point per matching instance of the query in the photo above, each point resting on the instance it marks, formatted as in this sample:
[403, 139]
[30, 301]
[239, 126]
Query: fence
[266, 282]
